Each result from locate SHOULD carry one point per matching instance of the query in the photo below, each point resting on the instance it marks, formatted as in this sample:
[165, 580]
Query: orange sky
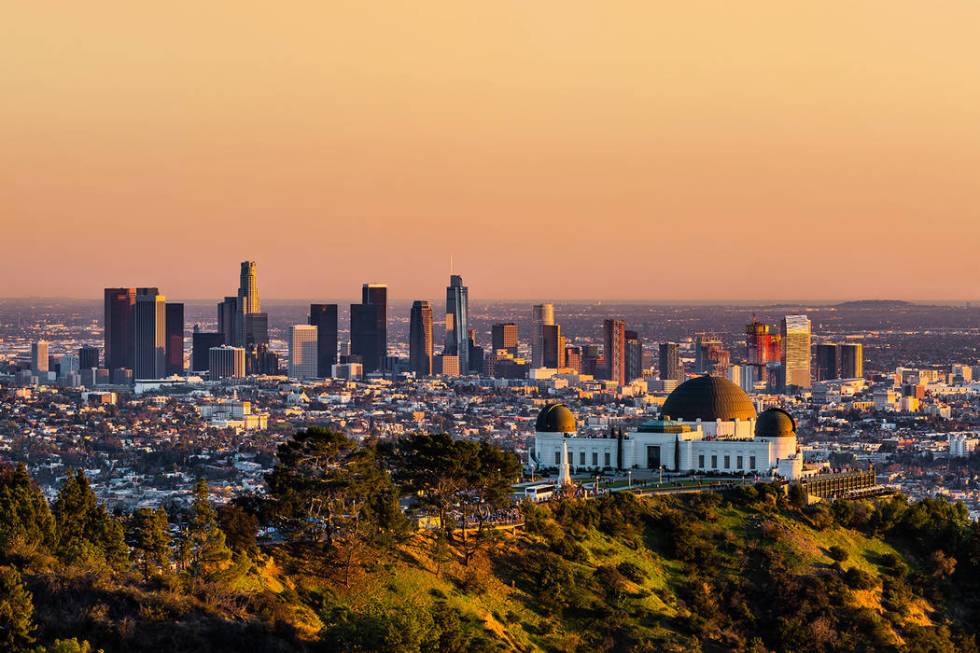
[557, 149]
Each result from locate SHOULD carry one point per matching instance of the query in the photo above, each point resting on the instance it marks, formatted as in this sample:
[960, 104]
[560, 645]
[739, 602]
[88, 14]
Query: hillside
[713, 573]
[345, 569]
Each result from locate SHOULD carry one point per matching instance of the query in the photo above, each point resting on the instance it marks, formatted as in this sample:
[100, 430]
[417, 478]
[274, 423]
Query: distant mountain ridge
[875, 303]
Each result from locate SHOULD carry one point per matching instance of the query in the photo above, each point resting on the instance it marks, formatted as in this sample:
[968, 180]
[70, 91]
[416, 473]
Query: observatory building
[708, 425]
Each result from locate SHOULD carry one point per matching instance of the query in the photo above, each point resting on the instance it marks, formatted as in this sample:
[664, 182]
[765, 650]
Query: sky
[550, 149]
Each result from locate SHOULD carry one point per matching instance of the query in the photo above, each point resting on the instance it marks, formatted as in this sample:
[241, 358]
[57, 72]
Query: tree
[240, 529]
[25, 517]
[471, 480]
[331, 491]
[209, 553]
[16, 612]
[86, 532]
[150, 537]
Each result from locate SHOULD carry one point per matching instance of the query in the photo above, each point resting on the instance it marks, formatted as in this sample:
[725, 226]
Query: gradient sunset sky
[555, 149]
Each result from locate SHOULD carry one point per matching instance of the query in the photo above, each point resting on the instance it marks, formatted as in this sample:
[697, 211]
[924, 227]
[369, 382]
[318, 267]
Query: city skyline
[622, 143]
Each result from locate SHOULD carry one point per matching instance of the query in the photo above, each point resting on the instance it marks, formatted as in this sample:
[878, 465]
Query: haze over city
[634, 150]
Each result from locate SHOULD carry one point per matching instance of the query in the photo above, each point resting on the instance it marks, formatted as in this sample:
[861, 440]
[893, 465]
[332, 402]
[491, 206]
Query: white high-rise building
[302, 351]
[541, 315]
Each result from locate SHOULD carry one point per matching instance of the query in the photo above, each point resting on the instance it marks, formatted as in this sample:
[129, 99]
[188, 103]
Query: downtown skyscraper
[150, 334]
[541, 315]
[369, 327]
[117, 325]
[324, 318]
[614, 333]
[243, 324]
[458, 322]
[670, 361]
[420, 339]
[795, 330]
[175, 338]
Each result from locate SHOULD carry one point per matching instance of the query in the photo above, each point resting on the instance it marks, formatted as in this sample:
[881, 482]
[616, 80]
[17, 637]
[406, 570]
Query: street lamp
[629, 478]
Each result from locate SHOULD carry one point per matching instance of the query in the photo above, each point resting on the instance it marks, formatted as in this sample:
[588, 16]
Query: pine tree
[16, 612]
[25, 517]
[86, 532]
[150, 536]
[209, 551]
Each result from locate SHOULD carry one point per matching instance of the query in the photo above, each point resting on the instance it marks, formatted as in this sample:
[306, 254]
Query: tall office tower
[670, 361]
[150, 334]
[552, 346]
[88, 357]
[248, 301]
[710, 355]
[634, 356]
[202, 342]
[761, 345]
[175, 338]
[458, 321]
[324, 318]
[227, 318]
[39, 358]
[541, 315]
[120, 304]
[226, 362]
[851, 360]
[504, 336]
[369, 326]
[420, 339]
[795, 330]
[828, 361]
[302, 351]
[615, 350]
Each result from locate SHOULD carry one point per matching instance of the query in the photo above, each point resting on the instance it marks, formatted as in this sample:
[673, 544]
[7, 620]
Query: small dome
[555, 418]
[775, 423]
[708, 398]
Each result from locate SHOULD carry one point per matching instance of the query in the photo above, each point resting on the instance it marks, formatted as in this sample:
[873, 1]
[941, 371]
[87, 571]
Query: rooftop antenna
[452, 270]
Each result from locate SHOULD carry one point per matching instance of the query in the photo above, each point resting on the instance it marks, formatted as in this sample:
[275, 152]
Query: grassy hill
[743, 571]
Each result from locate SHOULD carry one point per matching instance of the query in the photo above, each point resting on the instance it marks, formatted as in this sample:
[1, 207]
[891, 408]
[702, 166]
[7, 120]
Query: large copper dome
[708, 398]
[555, 418]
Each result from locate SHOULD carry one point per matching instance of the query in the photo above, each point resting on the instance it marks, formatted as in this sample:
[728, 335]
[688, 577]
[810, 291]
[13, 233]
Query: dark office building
[420, 339]
[202, 342]
[634, 356]
[614, 332]
[552, 346]
[120, 345]
[88, 357]
[828, 361]
[369, 327]
[324, 318]
[475, 354]
[851, 360]
[227, 316]
[504, 336]
[175, 338]
[670, 361]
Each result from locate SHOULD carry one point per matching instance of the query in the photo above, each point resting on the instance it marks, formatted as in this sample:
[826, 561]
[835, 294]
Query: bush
[858, 579]
[631, 571]
[837, 553]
